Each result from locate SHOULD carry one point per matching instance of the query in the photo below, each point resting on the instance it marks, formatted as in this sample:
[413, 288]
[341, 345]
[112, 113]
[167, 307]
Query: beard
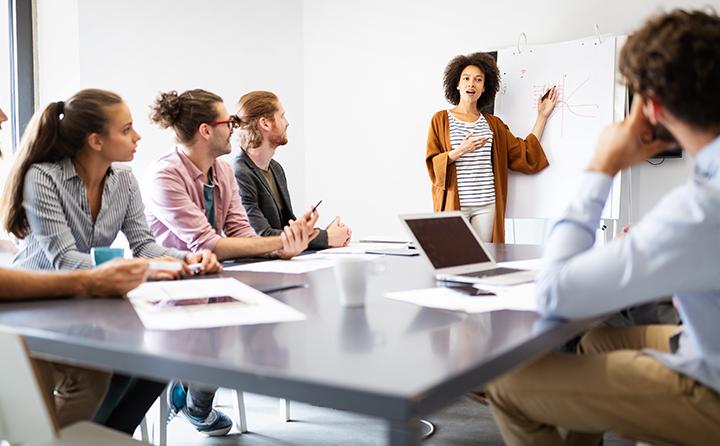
[280, 140]
[278, 137]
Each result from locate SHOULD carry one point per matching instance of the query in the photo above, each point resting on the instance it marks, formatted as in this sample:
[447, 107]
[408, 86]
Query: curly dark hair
[184, 112]
[487, 65]
[676, 58]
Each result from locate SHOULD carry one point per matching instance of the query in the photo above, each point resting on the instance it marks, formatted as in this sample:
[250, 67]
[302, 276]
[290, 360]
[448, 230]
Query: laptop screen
[447, 241]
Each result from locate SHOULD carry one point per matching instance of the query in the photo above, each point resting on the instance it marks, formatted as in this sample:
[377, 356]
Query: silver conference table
[389, 359]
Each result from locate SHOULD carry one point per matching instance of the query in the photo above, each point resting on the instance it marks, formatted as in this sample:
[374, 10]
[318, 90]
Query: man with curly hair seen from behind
[657, 384]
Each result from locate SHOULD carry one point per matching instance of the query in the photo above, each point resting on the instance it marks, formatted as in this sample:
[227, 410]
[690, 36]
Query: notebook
[455, 252]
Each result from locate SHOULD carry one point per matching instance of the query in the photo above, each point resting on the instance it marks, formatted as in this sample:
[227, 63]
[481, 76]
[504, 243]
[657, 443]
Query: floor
[465, 422]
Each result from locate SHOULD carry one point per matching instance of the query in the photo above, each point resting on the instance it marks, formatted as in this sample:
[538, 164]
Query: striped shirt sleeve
[43, 206]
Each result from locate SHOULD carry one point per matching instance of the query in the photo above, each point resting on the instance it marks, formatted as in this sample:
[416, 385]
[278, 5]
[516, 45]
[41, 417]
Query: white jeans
[482, 219]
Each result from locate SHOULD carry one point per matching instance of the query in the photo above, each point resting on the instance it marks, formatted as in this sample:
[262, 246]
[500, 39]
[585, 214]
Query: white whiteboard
[584, 72]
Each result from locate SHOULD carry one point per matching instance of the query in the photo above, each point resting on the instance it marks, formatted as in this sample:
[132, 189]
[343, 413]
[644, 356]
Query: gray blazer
[263, 213]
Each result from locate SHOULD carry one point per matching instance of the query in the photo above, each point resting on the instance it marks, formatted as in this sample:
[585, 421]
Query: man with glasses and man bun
[193, 203]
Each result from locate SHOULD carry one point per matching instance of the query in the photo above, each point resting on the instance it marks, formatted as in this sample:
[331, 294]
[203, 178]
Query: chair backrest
[25, 414]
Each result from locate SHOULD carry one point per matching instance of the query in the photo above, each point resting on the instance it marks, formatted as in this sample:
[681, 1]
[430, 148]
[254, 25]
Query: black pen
[470, 290]
[284, 288]
[315, 207]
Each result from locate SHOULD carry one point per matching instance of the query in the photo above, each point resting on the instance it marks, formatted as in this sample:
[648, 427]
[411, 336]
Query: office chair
[25, 414]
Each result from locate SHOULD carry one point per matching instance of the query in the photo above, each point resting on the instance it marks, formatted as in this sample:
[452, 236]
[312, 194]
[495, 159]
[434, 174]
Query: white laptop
[448, 241]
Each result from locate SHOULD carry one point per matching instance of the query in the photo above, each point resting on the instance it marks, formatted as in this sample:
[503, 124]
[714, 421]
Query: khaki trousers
[75, 393]
[610, 386]
[482, 220]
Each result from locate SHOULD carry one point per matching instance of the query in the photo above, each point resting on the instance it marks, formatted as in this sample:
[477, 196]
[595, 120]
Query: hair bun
[166, 109]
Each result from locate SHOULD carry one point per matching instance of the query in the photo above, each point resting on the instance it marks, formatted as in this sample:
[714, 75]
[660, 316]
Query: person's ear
[95, 142]
[265, 124]
[653, 108]
[204, 131]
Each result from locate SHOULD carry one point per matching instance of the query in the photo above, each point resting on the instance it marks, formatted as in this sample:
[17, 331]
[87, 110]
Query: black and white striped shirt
[62, 231]
[474, 170]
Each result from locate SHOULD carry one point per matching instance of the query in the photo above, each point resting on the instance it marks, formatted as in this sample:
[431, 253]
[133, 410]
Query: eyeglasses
[232, 123]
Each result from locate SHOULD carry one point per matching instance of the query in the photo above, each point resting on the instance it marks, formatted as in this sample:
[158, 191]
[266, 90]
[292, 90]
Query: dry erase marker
[547, 93]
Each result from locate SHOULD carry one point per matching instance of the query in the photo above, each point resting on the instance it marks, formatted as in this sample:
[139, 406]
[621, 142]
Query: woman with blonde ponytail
[65, 195]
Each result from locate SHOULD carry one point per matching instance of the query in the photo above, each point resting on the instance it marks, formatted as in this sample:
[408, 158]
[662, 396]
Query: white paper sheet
[529, 264]
[384, 239]
[296, 265]
[186, 304]
[519, 297]
[362, 248]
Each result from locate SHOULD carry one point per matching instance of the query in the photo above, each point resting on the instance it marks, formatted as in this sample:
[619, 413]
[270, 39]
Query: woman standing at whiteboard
[469, 152]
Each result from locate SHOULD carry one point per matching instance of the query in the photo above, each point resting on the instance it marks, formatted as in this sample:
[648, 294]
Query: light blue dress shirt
[674, 250]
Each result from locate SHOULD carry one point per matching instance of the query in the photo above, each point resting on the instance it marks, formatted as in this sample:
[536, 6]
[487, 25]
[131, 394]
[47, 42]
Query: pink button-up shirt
[175, 207]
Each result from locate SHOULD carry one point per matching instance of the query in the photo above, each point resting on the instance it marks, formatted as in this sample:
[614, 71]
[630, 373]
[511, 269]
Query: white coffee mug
[351, 275]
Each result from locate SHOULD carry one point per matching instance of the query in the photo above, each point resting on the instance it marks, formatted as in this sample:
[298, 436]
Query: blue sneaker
[216, 424]
[176, 399]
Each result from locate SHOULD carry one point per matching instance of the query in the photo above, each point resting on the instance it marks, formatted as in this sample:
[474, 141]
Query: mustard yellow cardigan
[508, 152]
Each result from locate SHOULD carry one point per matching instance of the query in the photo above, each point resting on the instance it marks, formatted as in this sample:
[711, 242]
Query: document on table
[519, 297]
[204, 303]
[379, 248]
[529, 264]
[384, 239]
[296, 265]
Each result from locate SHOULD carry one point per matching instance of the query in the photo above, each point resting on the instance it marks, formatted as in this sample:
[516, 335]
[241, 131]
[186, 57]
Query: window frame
[22, 66]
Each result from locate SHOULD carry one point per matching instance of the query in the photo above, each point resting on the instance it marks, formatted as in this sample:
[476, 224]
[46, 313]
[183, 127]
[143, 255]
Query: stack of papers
[186, 304]
[296, 265]
[519, 297]
[382, 248]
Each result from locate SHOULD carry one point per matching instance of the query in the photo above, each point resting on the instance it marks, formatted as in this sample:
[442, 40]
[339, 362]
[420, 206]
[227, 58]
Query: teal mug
[104, 254]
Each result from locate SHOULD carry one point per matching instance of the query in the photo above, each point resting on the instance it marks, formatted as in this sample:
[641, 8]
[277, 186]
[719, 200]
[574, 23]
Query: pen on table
[547, 93]
[470, 290]
[285, 288]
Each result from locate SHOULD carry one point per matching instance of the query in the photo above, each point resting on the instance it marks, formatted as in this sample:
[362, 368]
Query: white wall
[58, 48]
[373, 79]
[138, 48]
[359, 79]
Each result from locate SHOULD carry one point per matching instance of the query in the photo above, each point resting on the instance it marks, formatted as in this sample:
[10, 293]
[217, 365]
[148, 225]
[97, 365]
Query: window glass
[5, 88]
[5, 131]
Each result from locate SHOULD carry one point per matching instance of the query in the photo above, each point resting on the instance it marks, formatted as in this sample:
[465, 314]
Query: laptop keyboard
[493, 272]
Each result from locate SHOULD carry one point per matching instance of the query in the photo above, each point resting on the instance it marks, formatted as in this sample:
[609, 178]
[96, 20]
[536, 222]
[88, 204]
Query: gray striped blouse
[476, 184]
[62, 231]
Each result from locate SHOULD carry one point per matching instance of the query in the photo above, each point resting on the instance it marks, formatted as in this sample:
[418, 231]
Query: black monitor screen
[447, 241]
